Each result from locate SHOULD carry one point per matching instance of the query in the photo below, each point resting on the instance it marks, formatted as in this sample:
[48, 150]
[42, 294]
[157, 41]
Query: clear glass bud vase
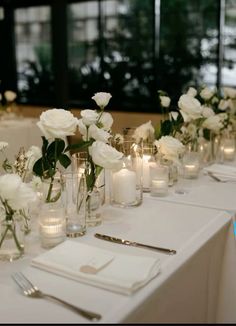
[95, 197]
[11, 237]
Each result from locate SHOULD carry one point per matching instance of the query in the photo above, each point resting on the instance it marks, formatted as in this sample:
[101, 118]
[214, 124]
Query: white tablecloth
[19, 133]
[203, 192]
[192, 286]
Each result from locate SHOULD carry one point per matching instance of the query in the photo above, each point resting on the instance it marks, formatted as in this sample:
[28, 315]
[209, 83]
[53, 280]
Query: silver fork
[32, 291]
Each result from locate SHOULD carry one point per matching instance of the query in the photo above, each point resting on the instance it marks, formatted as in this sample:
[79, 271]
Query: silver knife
[134, 244]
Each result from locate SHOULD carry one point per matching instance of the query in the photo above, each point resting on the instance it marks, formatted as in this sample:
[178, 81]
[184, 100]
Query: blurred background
[59, 53]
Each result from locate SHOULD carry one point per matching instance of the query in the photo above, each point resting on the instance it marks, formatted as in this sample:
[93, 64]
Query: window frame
[59, 44]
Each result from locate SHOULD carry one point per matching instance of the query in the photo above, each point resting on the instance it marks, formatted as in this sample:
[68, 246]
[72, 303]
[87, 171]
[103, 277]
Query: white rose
[105, 156]
[206, 93]
[98, 134]
[190, 107]
[223, 105]
[10, 96]
[102, 99]
[33, 154]
[17, 193]
[144, 132]
[192, 91]
[82, 128]
[232, 106]
[57, 123]
[165, 101]
[169, 147]
[213, 123]
[207, 112]
[106, 120]
[173, 115]
[191, 129]
[3, 145]
[89, 117]
[214, 100]
[229, 92]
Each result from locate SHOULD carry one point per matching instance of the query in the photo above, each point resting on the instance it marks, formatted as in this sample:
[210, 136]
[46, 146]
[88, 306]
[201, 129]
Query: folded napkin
[226, 172]
[102, 268]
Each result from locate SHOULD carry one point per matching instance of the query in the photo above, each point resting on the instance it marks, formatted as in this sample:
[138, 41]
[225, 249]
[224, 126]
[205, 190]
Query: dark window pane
[128, 68]
[83, 53]
[103, 54]
[229, 42]
[33, 54]
[188, 45]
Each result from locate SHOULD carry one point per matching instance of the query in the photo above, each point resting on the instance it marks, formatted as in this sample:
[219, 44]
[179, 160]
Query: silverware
[214, 177]
[32, 291]
[134, 244]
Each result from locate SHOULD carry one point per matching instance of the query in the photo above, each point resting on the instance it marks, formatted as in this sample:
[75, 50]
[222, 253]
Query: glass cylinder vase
[95, 197]
[74, 195]
[11, 237]
[51, 189]
[148, 161]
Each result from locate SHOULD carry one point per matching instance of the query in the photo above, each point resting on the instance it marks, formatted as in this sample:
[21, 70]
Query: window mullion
[59, 52]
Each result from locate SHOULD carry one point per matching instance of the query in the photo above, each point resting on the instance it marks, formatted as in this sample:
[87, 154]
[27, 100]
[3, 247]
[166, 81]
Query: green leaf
[64, 160]
[38, 167]
[90, 181]
[166, 128]
[44, 146]
[157, 132]
[55, 149]
[207, 134]
[98, 170]
[79, 146]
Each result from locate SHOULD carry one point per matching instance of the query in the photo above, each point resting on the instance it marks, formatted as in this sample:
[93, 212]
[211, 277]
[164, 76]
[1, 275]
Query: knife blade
[133, 243]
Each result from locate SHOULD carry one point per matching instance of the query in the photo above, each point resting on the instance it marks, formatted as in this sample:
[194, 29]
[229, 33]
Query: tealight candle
[159, 187]
[229, 153]
[159, 175]
[124, 186]
[191, 170]
[191, 165]
[52, 226]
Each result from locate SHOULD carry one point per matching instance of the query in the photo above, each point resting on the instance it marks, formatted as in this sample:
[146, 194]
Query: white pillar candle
[146, 171]
[124, 186]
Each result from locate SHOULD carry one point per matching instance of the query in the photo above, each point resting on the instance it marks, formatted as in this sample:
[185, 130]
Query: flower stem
[4, 235]
[48, 199]
[9, 228]
[19, 247]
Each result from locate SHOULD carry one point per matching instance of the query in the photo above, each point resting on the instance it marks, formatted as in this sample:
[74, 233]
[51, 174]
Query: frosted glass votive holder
[159, 180]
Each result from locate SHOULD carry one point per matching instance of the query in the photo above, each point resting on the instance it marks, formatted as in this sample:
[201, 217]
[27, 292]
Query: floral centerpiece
[95, 129]
[56, 125]
[15, 196]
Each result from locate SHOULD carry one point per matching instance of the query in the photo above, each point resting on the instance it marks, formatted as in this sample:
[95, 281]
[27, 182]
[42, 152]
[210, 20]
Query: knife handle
[107, 237]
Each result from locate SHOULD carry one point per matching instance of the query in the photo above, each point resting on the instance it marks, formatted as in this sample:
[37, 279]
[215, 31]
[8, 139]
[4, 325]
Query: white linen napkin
[85, 263]
[224, 172]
